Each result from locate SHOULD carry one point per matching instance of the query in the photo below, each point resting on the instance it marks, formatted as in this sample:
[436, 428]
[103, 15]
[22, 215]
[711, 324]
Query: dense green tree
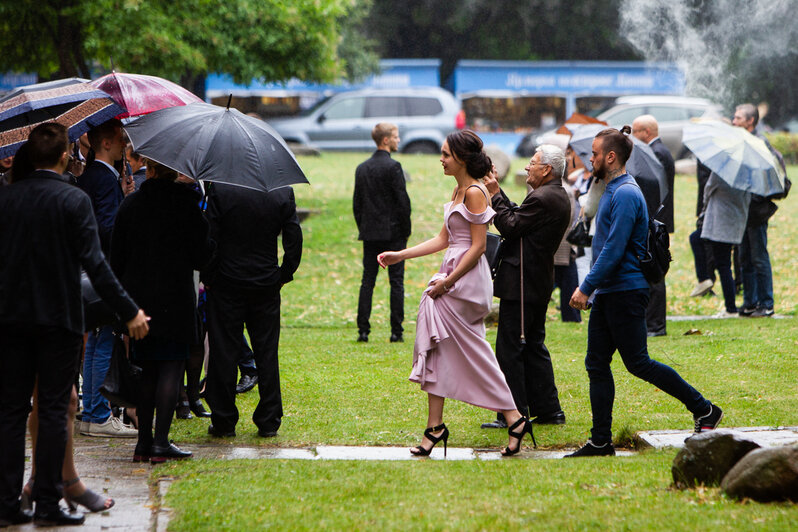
[271, 40]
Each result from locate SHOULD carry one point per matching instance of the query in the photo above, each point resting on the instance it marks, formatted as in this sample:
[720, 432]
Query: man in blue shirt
[620, 297]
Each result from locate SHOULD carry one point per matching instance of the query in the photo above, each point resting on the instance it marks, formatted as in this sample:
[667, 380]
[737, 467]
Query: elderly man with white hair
[524, 282]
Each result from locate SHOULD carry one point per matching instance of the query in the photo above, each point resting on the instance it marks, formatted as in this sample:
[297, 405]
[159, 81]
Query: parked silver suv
[344, 121]
[672, 114]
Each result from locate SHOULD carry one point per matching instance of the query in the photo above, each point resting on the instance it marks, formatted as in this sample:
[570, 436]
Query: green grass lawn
[337, 391]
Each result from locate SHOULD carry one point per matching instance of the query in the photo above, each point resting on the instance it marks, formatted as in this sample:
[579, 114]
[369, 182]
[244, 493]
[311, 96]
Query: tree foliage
[271, 40]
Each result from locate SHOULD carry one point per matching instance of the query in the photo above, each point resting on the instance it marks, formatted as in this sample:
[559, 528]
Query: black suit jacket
[649, 186]
[380, 202]
[665, 157]
[541, 221]
[160, 237]
[245, 224]
[47, 233]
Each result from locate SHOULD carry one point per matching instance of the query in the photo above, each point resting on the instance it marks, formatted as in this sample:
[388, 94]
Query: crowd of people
[176, 262]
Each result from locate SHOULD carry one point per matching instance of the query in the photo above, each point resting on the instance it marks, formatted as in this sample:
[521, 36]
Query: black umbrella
[212, 143]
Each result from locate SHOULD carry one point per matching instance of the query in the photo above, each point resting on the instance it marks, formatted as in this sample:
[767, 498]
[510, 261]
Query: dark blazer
[159, 239]
[245, 224]
[665, 157]
[702, 176]
[541, 220]
[380, 202]
[102, 186]
[47, 233]
[649, 186]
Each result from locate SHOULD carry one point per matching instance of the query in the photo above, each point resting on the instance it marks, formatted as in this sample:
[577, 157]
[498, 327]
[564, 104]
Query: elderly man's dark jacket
[665, 157]
[47, 234]
[541, 221]
[380, 202]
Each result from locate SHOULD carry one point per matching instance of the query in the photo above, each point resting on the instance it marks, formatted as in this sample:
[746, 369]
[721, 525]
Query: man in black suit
[382, 212]
[243, 286]
[536, 227]
[49, 234]
[646, 129]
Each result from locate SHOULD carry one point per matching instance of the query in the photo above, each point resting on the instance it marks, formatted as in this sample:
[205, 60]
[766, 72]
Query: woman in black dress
[160, 237]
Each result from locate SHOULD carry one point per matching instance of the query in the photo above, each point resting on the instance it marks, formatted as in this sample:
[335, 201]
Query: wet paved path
[105, 464]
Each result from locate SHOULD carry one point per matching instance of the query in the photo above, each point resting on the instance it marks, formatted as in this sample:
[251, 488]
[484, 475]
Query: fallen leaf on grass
[691, 332]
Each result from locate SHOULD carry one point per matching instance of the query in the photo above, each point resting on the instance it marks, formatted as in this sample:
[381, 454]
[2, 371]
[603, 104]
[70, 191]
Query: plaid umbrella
[71, 102]
[141, 94]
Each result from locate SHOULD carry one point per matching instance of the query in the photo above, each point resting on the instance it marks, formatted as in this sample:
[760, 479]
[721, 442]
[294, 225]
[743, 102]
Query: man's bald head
[645, 128]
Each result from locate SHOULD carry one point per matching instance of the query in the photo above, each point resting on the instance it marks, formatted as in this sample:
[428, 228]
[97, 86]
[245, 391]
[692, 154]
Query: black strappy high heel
[421, 451]
[527, 428]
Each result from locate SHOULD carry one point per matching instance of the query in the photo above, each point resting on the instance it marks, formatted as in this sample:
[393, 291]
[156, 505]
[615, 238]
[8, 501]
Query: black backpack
[657, 258]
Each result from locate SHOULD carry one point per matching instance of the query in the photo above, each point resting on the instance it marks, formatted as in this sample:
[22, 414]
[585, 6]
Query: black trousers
[656, 310]
[527, 368]
[396, 276]
[567, 279]
[228, 310]
[51, 355]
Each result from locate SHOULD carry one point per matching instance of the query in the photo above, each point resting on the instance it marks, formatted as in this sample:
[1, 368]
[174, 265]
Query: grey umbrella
[642, 162]
[212, 143]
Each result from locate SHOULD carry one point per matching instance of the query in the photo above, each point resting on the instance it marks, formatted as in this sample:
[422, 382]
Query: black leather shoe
[183, 411]
[58, 517]
[161, 453]
[557, 418]
[19, 518]
[246, 383]
[267, 433]
[396, 338]
[495, 424]
[213, 431]
[363, 337]
[199, 409]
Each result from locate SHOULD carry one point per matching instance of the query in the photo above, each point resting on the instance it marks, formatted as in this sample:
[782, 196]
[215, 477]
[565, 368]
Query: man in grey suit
[382, 212]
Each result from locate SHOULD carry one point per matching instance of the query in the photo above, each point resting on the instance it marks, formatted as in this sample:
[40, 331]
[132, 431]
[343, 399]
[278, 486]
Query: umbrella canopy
[642, 162]
[218, 144]
[71, 102]
[741, 159]
[141, 94]
[575, 120]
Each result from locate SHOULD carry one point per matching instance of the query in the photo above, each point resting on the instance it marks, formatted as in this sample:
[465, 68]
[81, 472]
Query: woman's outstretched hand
[387, 258]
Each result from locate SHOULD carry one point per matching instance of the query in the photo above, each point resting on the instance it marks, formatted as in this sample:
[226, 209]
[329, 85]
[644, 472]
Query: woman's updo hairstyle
[617, 141]
[466, 146]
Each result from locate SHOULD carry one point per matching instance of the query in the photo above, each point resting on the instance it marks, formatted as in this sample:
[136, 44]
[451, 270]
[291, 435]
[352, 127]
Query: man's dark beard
[599, 173]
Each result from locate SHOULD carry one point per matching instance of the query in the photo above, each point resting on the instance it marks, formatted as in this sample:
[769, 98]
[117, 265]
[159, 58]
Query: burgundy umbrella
[141, 94]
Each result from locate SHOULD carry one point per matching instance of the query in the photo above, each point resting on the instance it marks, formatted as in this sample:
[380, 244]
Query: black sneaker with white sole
[710, 420]
[591, 449]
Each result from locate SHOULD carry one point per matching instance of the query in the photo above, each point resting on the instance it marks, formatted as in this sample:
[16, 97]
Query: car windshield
[315, 106]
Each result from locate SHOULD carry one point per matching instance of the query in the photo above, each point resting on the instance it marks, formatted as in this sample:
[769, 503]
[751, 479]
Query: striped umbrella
[71, 102]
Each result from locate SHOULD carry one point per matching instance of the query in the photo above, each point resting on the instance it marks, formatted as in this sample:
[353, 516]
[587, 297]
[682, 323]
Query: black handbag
[493, 252]
[123, 380]
[96, 313]
[579, 234]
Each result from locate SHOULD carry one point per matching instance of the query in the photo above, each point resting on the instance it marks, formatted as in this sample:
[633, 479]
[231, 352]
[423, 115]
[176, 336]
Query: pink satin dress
[451, 357]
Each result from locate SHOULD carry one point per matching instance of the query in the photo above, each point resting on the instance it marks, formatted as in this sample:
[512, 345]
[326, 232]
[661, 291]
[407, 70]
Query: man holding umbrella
[757, 273]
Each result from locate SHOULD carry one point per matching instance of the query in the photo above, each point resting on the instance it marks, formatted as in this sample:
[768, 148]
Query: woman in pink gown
[451, 357]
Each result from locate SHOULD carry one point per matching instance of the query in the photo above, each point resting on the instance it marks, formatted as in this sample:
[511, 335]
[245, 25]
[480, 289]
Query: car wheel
[422, 146]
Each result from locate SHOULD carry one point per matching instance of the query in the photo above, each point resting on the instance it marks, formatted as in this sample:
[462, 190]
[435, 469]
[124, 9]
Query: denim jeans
[757, 274]
[96, 361]
[618, 321]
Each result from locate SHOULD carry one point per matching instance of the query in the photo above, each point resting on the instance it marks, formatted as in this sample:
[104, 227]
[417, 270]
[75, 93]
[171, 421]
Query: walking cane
[521, 245]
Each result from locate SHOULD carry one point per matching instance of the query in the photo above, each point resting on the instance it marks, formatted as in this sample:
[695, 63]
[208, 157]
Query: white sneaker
[112, 428]
[702, 288]
[725, 314]
[82, 427]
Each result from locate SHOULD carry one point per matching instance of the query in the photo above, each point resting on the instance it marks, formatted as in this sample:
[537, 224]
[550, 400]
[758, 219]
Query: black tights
[160, 382]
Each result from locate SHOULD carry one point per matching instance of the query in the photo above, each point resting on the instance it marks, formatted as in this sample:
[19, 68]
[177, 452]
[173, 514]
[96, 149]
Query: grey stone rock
[708, 456]
[765, 475]
[500, 160]
[303, 149]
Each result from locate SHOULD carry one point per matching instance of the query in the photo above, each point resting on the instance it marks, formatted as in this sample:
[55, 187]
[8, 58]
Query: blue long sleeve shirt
[621, 231]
